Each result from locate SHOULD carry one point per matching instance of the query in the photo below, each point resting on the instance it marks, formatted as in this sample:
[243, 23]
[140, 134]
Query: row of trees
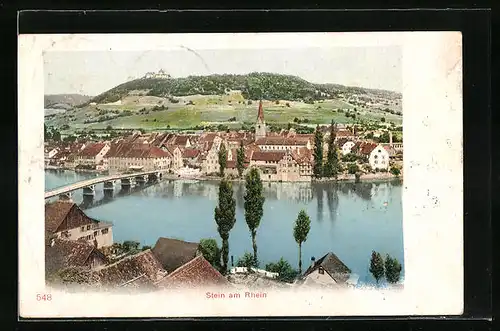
[331, 167]
[225, 212]
[390, 268]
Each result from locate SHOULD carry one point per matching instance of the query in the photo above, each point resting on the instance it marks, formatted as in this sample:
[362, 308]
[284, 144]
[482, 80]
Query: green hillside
[253, 86]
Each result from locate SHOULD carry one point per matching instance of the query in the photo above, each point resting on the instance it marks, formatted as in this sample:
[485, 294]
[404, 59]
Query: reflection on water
[349, 219]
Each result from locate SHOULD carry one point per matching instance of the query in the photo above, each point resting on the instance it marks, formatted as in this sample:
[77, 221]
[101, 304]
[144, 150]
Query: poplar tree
[222, 159]
[392, 269]
[332, 162]
[254, 205]
[240, 159]
[225, 217]
[300, 232]
[377, 266]
[318, 153]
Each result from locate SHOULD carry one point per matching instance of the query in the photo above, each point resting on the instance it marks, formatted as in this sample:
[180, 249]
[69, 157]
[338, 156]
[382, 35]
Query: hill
[64, 101]
[253, 86]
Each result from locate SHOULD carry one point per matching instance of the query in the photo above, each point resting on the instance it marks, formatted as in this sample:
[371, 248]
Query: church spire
[260, 114]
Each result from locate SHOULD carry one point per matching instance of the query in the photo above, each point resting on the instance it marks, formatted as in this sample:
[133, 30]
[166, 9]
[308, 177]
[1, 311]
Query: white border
[432, 195]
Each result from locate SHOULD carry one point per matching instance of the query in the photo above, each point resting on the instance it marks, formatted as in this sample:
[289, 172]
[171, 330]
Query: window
[96, 233]
[375, 156]
[376, 162]
[321, 271]
[82, 229]
[88, 227]
[104, 231]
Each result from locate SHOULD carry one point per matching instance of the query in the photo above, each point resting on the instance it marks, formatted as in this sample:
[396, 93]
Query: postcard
[249, 174]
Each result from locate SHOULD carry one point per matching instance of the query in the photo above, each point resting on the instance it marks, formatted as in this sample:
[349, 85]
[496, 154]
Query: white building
[347, 147]
[329, 270]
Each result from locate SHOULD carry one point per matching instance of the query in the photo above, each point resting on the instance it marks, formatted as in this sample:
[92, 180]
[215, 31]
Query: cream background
[432, 195]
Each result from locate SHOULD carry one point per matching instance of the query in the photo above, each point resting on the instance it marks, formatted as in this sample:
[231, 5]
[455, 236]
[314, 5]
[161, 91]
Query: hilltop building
[260, 126]
[161, 74]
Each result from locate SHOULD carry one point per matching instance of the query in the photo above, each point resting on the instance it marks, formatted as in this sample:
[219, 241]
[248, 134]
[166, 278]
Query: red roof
[268, 156]
[364, 148]
[195, 273]
[136, 150]
[284, 141]
[190, 153]
[91, 150]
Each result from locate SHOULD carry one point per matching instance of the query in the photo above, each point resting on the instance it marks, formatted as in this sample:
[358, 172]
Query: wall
[88, 233]
[323, 279]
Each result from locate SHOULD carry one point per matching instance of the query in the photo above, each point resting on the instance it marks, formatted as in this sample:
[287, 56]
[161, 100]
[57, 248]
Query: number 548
[43, 297]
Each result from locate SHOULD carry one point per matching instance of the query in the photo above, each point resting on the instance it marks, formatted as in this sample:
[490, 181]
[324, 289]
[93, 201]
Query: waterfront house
[196, 273]
[210, 162]
[124, 156]
[176, 152]
[92, 154]
[49, 153]
[61, 254]
[141, 270]
[328, 270]
[190, 156]
[377, 155]
[64, 219]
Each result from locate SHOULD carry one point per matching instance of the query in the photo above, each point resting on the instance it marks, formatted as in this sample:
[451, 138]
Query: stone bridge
[88, 186]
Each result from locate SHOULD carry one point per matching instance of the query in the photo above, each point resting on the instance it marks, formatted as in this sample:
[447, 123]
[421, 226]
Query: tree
[131, 247]
[240, 159]
[318, 153]
[352, 168]
[247, 260]
[46, 133]
[56, 135]
[382, 119]
[225, 217]
[285, 271]
[222, 159]
[300, 232]
[211, 252]
[254, 204]
[392, 269]
[332, 161]
[377, 266]
[395, 171]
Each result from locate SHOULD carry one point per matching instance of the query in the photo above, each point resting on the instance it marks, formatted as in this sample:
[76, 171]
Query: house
[379, 158]
[124, 156]
[182, 141]
[210, 162]
[49, 153]
[64, 219]
[346, 147]
[196, 273]
[141, 270]
[176, 152]
[190, 156]
[279, 143]
[61, 254]
[329, 270]
[92, 154]
[173, 253]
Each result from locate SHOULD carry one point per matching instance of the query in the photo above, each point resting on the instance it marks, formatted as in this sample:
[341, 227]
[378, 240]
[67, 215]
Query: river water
[348, 219]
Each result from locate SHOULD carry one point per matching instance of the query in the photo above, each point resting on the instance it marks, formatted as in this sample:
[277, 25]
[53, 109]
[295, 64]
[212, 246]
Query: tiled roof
[283, 141]
[341, 141]
[190, 153]
[63, 254]
[136, 150]
[91, 150]
[128, 269]
[64, 215]
[196, 273]
[302, 156]
[268, 156]
[172, 253]
[333, 266]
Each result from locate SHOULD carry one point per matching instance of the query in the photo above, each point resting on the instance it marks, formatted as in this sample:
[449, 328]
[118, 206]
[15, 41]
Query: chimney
[313, 260]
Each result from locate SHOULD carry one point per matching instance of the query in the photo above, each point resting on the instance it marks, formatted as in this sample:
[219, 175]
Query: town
[80, 250]
[280, 156]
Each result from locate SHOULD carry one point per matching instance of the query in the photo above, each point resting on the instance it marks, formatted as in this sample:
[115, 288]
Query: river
[348, 219]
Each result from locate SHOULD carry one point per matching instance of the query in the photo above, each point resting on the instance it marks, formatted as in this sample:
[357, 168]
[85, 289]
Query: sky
[94, 72]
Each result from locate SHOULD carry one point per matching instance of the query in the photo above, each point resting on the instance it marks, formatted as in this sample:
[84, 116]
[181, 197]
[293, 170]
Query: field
[231, 110]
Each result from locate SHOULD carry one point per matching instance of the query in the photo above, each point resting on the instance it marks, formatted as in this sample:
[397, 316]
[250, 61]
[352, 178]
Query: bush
[247, 261]
[351, 157]
[284, 269]
[352, 168]
[395, 171]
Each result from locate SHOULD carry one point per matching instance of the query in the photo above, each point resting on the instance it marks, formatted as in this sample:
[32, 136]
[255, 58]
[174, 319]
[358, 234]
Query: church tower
[260, 126]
